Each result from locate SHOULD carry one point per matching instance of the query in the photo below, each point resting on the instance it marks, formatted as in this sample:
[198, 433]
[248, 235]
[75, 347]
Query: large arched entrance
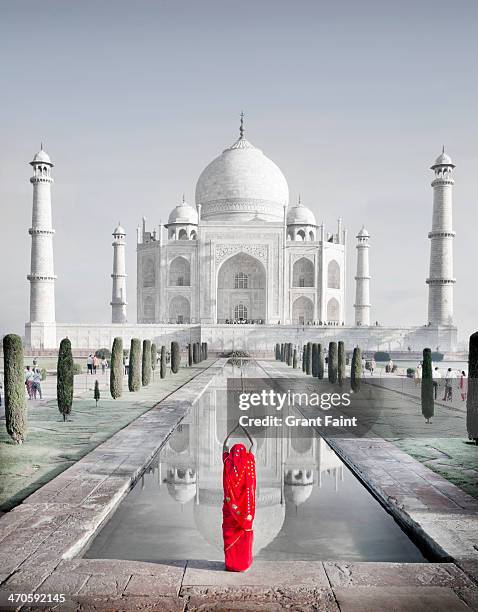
[241, 290]
[302, 311]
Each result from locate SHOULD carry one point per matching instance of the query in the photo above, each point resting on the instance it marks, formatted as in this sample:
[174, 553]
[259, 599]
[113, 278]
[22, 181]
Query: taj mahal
[242, 268]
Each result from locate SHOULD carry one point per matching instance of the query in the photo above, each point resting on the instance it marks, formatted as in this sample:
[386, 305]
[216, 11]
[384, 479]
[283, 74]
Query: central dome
[242, 184]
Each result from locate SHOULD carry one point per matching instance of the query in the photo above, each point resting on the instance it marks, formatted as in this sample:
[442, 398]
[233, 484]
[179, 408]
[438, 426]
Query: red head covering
[239, 482]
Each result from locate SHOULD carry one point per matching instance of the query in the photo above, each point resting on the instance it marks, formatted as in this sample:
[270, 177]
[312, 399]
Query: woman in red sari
[238, 510]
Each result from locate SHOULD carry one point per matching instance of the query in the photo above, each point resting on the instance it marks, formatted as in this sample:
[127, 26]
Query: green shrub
[410, 372]
[65, 378]
[14, 388]
[294, 359]
[308, 363]
[341, 362]
[96, 393]
[176, 357]
[356, 370]
[472, 397]
[146, 363]
[277, 352]
[190, 355]
[195, 353]
[43, 373]
[333, 362]
[289, 353]
[304, 357]
[162, 363]
[103, 353]
[315, 359]
[437, 356]
[116, 368]
[381, 356]
[204, 350]
[154, 355]
[320, 363]
[134, 371]
[428, 403]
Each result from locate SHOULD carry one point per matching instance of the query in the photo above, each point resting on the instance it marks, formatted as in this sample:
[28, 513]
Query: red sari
[238, 510]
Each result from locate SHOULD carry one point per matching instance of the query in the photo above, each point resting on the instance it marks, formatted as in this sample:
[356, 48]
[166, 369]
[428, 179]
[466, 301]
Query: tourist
[389, 367]
[36, 383]
[372, 366]
[418, 373]
[463, 384]
[89, 364]
[95, 363]
[126, 365]
[104, 365]
[29, 381]
[436, 378]
[448, 397]
[364, 363]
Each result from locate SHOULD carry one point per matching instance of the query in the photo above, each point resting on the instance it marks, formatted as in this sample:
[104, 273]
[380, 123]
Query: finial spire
[241, 127]
[184, 198]
[41, 145]
[299, 199]
[443, 148]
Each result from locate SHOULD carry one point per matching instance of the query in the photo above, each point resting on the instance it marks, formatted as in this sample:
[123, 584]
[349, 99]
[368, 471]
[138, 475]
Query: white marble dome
[184, 213]
[242, 184]
[300, 215]
[42, 157]
[443, 160]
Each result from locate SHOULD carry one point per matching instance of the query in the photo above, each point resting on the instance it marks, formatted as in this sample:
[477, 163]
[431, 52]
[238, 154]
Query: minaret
[362, 296]
[42, 276]
[440, 281]
[118, 300]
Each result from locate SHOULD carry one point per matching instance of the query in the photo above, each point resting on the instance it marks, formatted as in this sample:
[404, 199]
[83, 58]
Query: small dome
[296, 495]
[363, 233]
[119, 230]
[42, 157]
[443, 160]
[300, 215]
[184, 213]
[182, 492]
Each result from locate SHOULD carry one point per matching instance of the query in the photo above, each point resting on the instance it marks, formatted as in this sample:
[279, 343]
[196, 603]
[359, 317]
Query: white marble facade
[242, 253]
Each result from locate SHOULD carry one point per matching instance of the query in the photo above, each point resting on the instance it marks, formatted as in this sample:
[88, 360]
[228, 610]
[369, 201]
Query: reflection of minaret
[362, 296]
[118, 300]
[42, 276]
[440, 281]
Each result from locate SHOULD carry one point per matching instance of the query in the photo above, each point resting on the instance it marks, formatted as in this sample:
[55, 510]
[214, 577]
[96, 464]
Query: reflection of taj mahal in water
[288, 467]
[242, 255]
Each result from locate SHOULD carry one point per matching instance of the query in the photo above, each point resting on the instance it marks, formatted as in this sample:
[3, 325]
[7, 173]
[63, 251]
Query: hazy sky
[352, 100]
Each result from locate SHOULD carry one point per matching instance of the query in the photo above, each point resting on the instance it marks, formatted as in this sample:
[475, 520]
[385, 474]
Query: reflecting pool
[309, 505]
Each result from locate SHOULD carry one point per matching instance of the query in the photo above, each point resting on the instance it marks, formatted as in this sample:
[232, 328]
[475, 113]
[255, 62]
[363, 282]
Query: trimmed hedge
[146, 363]
[14, 382]
[134, 371]
[308, 363]
[315, 359]
[320, 367]
[195, 353]
[294, 359]
[472, 397]
[116, 369]
[175, 357]
[65, 378]
[162, 363]
[333, 362]
[428, 403]
[341, 361]
[381, 356]
[356, 371]
[154, 355]
[96, 392]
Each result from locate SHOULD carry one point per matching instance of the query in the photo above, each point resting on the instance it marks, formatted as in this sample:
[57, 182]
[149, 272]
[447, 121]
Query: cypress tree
[308, 363]
[65, 378]
[291, 353]
[134, 372]
[190, 354]
[175, 357]
[315, 359]
[356, 371]
[116, 369]
[341, 362]
[96, 392]
[154, 355]
[282, 351]
[162, 363]
[277, 353]
[428, 403]
[320, 366]
[333, 362]
[294, 359]
[195, 353]
[146, 363]
[204, 351]
[472, 397]
[14, 380]
[304, 357]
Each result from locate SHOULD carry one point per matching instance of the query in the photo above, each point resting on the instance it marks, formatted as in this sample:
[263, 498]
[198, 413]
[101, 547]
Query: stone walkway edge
[57, 521]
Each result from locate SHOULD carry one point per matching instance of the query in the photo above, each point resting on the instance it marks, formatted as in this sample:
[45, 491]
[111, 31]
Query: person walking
[372, 366]
[104, 365]
[36, 383]
[436, 378]
[418, 373]
[126, 365]
[448, 397]
[29, 381]
[95, 363]
[89, 364]
[463, 386]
